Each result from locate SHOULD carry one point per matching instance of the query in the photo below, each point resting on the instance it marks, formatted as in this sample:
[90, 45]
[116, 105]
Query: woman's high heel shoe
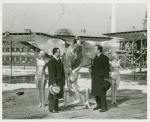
[87, 105]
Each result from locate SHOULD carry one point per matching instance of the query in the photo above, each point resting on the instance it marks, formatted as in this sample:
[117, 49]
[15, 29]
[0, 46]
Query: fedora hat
[106, 85]
[54, 89]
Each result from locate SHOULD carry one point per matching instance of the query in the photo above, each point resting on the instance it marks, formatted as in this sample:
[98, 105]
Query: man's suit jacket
[56, 70]
[56, 75]
[101, 66]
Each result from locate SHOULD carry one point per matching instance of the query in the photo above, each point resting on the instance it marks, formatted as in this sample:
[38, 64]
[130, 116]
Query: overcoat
[56, 75]
[100, 71]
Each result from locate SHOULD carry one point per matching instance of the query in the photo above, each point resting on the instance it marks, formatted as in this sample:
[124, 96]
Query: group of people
[103, 69]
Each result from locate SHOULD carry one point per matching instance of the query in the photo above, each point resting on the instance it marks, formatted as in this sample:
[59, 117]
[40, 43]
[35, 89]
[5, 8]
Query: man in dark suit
[100, 72]
[56, 76]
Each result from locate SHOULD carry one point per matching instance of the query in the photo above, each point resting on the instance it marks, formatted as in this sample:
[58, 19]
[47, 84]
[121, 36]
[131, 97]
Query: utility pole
[11, 61]
[113, 23]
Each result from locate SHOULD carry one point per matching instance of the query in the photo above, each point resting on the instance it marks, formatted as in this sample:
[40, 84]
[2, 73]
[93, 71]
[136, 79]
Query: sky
[94, 17]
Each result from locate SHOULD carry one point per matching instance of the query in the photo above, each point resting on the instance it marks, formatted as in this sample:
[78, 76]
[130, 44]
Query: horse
[73, 60]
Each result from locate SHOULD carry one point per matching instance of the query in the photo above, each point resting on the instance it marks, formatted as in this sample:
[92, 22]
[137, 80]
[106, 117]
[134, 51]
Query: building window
[13, 49]
[14, 59]
[23, 58]
[20, 49]
[4, 49]
[20, 58]
[17, 49]
[7, 58]
[9, 50]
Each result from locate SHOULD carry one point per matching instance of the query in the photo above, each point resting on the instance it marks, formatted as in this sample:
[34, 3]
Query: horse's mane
[69, 57]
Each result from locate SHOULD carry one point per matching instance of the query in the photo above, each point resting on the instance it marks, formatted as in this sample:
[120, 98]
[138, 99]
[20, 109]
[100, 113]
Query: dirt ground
[132, 105]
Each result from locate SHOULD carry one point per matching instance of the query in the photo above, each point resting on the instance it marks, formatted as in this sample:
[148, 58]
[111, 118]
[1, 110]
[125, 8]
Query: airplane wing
[46, 43]
[30, 45]
[88, 42]
[94, 39]
[69, 38]
[66, 38]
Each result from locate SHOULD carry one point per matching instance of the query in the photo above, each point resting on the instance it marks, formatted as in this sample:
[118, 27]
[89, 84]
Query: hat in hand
[106, 85]
[54, 89]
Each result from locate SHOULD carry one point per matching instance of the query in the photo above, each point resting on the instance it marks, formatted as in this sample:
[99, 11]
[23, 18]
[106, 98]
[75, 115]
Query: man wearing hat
[56, 80]
[100, 73]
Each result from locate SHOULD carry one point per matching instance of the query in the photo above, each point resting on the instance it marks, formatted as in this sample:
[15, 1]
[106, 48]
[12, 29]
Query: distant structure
[144, 21]
[133, 28]
[134, 44]
[13, 51]
[113, 24]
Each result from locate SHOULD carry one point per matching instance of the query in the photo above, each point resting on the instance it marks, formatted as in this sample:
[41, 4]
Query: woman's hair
[54, 50]
[114, 56]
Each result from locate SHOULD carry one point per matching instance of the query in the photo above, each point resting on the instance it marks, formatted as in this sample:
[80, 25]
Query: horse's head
[73, 56]
[76, 50]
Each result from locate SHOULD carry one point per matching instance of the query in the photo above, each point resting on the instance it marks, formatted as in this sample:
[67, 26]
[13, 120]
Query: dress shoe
[96, 108]
[103, 110]
[54, 111]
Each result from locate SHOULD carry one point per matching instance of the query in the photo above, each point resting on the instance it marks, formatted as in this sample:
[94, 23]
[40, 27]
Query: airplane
[45, 42]
[41, 41]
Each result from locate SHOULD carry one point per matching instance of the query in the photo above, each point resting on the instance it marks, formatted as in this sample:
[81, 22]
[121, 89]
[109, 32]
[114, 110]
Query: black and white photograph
[74, 60]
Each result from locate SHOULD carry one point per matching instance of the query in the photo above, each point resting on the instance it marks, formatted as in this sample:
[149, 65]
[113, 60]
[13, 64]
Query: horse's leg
[87, 98]
[76, 94]
[68, 86]
[77, 97]
[83, 89]
[86, 90]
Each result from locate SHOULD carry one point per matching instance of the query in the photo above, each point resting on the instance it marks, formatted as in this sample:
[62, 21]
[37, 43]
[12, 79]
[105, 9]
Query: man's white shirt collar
[55, 58]
[99, 55]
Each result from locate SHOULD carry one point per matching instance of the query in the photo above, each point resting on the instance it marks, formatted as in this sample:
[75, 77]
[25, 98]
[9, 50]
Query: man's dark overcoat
[100, 71]
[56, 75]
